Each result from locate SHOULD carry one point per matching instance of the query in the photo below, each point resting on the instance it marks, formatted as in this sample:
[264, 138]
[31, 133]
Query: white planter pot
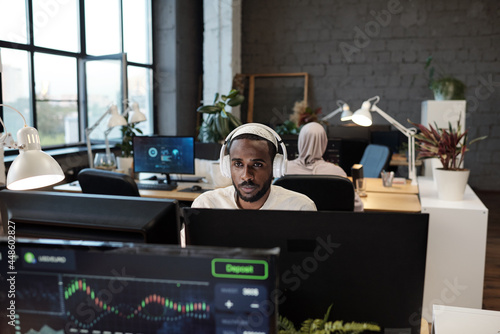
[125, 165]
[451, 183]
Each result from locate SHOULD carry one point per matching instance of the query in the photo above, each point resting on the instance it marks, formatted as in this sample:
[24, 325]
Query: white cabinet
[456, 249]
[442, 112]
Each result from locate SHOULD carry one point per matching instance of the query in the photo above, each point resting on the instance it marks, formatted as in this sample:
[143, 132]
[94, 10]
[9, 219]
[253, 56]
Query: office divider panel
[45, 214]
[370, 266]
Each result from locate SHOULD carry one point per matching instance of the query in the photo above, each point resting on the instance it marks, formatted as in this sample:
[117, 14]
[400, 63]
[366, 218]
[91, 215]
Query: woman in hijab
[312, 145]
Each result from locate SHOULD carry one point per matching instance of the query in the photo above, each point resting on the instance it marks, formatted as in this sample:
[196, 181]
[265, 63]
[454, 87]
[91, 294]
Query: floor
[491, 292]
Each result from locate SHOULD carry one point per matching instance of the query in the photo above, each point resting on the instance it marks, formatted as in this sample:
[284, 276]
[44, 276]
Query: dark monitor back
[93, 287]
[370, 266]
[207, 151]
[332, 152]
[45, 214]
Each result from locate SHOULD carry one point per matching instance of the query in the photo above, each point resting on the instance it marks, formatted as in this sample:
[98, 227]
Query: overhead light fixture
[344, 108]
[363, 117]
[32, 168]
[115, 120]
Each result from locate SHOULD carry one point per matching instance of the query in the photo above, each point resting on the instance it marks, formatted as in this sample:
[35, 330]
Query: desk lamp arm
[341, 105]
[89, 130]
[408, 132]
[6, 139]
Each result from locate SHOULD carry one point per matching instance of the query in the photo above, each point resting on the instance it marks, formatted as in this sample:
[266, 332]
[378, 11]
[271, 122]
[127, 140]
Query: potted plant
[449, 146]
[444, 86]
[125, 161]
[323, 326]
[219, 122]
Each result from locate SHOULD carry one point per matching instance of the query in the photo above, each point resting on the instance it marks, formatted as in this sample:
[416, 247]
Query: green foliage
[444, 85]
[448, 145]
[129, 131]
[287, 128]
[323, 326]
[219, 122]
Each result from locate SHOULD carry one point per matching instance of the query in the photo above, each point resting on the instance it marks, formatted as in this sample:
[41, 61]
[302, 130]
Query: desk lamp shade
[116, 119]
[346, 113]
[136, 115]
[342, 107]
[362, 116]
[32, 168]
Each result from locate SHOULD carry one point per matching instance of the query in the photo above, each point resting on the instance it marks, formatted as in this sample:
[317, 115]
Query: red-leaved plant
[448, 145]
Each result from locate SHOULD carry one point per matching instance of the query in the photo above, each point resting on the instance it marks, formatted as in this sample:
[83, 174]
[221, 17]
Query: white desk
[456, 249]
[74, 187]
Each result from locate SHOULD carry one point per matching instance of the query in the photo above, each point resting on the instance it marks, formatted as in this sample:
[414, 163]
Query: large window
[63, 63]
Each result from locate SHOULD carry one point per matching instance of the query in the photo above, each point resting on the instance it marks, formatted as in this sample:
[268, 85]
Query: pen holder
[387, 178]
[356, 173]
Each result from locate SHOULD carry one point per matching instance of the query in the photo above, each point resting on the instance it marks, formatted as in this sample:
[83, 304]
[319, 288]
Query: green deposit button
[242, 269]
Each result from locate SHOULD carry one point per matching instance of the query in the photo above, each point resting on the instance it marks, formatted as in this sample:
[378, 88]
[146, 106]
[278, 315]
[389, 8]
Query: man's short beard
[259, 194]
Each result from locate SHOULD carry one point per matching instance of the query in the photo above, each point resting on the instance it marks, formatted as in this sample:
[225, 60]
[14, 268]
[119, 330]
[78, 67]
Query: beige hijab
[312, 143]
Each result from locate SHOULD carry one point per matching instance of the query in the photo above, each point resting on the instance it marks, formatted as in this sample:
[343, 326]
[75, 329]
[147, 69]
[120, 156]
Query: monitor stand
[168, 181]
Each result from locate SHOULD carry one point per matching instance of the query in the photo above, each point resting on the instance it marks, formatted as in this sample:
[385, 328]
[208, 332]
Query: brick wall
[355, 49]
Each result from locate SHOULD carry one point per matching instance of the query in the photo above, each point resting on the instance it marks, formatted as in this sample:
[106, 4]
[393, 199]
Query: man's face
[251, 171]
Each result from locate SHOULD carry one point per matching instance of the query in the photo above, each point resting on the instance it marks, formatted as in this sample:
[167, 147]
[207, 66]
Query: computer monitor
[164, 155]
[60, 286]
[369, 266]
[77, 216]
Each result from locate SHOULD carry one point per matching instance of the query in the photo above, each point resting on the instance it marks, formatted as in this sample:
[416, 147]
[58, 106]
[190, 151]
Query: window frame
[81, 57]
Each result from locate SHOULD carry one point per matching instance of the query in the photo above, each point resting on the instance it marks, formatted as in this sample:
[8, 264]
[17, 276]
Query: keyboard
[156, 186]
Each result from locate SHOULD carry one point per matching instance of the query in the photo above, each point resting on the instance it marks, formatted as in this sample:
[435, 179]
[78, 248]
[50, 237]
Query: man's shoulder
[281, 191]
[213, 198]
[292, 199]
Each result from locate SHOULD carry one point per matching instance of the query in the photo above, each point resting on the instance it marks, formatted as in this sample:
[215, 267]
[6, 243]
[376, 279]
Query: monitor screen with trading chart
[58, 286]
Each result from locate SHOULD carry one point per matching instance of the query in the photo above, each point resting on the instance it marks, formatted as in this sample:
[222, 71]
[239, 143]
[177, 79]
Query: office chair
[329, 192]
[99, 181]
[375, 158]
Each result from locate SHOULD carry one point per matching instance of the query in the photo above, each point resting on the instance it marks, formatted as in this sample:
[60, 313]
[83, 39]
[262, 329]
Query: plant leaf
[209, 109]
[236, 100]
[233, 93]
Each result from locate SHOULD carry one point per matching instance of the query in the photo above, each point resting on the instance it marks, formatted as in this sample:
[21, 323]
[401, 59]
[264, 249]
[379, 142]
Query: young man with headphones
[250, 158]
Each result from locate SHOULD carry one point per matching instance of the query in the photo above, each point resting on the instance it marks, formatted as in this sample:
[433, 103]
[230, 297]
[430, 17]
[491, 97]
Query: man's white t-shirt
[279, 199]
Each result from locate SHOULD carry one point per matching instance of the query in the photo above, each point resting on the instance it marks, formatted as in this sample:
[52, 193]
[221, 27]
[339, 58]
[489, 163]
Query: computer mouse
[195, 188]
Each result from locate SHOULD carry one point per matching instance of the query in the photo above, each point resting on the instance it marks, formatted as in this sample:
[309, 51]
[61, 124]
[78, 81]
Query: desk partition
[370, 266]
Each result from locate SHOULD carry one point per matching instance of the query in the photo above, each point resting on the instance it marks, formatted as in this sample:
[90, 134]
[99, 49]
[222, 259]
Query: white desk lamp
[115, 120]
[32, 168]
[363, 117]
[344, 108]
[134, 114]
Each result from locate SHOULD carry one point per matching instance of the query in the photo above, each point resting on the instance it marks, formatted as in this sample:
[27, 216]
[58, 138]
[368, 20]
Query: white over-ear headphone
[263, 131]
